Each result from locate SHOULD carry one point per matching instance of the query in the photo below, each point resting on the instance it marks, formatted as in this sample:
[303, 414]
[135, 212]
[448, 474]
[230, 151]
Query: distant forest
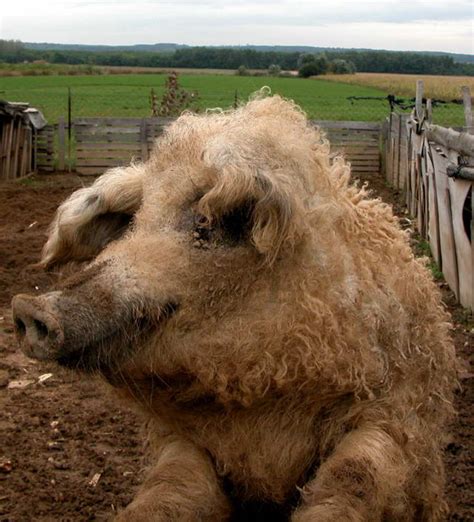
[235, 57]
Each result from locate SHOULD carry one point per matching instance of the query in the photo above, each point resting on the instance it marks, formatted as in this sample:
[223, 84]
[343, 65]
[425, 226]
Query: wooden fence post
[34, 147]
[16, 148]
[429, 110]
[61, 143]
[388, 150]
[69, 129]
[419, 100]
[9, 134]
[143, 140]
[466, 96]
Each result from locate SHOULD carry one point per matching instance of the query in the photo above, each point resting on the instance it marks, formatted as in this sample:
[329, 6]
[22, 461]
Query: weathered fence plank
[433, 215]
[447, 243]
[419, 100]
[459, 191]
[44, 148]
[121, 154]
[112, 146]
[356, 125]
[61, 143]
[466, 96]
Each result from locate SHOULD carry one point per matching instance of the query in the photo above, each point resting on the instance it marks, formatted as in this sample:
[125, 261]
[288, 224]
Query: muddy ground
[68, 450]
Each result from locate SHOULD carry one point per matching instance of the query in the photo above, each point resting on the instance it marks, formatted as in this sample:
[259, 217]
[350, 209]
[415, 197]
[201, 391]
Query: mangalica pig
[290, 355]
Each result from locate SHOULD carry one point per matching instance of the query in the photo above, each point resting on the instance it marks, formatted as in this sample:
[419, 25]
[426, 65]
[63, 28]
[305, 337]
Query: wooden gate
[359, 141]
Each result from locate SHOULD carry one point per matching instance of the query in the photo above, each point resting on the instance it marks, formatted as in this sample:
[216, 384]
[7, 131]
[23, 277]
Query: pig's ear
[266, 199]
[94, 216]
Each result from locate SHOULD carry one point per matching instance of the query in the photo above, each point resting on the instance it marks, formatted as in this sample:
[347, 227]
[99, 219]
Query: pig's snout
[37, 327]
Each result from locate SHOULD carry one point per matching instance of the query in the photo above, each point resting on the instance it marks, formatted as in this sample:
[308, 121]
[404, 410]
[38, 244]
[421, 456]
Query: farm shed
[19, 123]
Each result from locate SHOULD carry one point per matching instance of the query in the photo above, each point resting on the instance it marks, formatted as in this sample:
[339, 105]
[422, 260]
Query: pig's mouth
[79, 340]
[107, 354]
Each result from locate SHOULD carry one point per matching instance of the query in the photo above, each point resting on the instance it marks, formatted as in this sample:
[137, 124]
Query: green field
[128, 95]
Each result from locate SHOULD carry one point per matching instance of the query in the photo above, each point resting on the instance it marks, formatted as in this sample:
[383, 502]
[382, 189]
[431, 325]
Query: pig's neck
[269, 426]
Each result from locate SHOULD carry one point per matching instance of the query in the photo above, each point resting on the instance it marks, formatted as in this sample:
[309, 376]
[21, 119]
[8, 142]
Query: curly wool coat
[296, 354]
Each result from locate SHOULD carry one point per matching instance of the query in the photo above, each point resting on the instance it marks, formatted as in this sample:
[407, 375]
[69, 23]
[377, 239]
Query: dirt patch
[68, 451]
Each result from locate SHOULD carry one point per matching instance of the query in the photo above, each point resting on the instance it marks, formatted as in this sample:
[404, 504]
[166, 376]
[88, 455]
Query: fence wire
[129, 97]
[448, 113]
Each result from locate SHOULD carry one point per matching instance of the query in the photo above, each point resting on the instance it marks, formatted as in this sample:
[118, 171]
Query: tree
[305, 58]
[242, 70]
[274, 70]
[307, 70]
[312, 65]
[339, 66]
[11, 46]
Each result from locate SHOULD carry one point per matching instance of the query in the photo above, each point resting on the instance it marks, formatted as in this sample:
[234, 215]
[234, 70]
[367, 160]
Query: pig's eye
[230, 229]
[202, 228]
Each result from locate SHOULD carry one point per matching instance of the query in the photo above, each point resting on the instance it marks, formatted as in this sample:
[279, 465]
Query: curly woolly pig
[288, 352]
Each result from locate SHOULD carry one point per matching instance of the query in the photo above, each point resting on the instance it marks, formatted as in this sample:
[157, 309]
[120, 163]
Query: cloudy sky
[438, 25]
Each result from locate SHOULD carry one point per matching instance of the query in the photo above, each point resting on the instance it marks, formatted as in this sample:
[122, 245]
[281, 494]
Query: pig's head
[196, 260]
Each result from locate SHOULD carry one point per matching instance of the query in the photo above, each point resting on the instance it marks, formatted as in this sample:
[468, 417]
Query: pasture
[128, 95]
[323, 98]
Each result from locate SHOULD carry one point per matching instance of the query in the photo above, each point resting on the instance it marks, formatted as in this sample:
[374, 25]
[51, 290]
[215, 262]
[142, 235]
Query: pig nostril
[20, 327]
[41, 329]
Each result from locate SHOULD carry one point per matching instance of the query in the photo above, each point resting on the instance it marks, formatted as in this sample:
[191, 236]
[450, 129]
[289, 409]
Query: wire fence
[448, 113]
[120, 104]
[129, 96]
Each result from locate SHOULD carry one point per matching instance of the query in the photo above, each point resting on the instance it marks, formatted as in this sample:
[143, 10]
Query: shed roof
[30, 115]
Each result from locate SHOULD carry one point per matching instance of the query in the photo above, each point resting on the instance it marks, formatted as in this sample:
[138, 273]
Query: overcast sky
[435, 25]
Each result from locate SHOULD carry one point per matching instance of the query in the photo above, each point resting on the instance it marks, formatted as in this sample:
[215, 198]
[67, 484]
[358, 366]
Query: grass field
[127, 95]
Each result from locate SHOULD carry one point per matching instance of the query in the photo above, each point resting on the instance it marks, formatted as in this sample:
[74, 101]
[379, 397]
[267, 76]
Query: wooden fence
[102, 143]
[44, 149]
[397, 142]
[434, 167]
[360, 142]
[15, 149]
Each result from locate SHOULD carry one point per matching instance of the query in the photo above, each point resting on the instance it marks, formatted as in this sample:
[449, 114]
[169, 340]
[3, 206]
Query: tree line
[231, 58]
